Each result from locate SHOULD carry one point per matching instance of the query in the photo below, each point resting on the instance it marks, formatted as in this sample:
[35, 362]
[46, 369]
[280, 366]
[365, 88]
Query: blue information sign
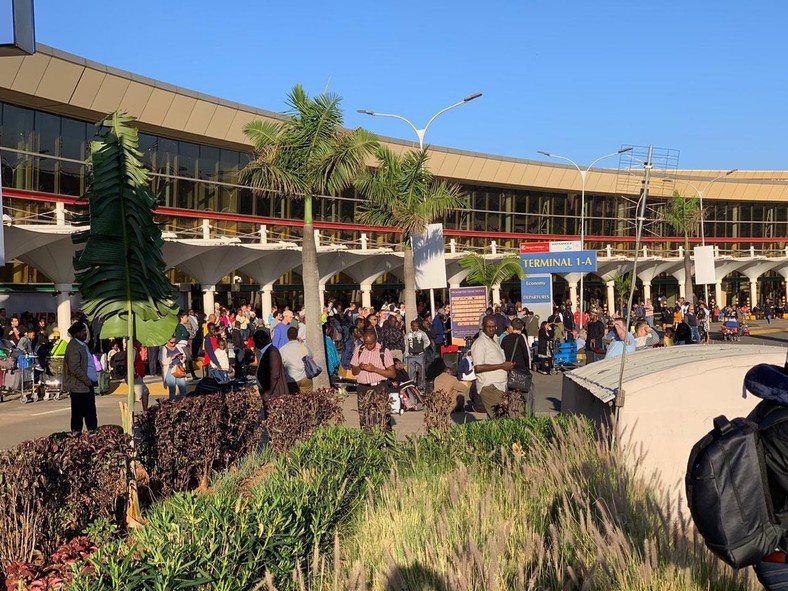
[536, 289]
[580, 261]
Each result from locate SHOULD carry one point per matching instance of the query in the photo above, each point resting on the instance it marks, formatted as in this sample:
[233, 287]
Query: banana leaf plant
[120, 269]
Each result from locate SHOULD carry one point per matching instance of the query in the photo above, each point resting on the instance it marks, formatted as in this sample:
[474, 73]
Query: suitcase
[13, 380]
[103, 382]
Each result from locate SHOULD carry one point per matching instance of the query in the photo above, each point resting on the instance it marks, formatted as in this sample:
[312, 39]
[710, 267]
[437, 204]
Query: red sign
[526, 247]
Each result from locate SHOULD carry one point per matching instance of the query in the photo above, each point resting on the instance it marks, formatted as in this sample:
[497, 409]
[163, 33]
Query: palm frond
[120, 268]
[401, 192]
[488, 272]
[683, 214]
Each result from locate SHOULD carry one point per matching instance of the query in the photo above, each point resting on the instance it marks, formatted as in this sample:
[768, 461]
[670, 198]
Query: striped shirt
[373, 357]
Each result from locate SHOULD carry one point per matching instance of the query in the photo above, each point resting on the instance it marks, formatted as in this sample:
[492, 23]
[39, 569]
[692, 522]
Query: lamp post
[700, 193]
[583, 174]
[420, 133]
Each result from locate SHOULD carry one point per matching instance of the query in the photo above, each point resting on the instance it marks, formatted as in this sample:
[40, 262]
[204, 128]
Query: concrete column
[496, 294]
[317, 237]
[718, 294]
[683, 289]
[573, 295]
[206, 229]
[60, 214]
[453, 246]
[366, 295]
[63, 308]
[322, 288]
[611, 297]
[263, 234]
[494, 247]
[208, 299]
[647, 291]
[609, 250]
[267, 304]
[363, 241]
[753, 292]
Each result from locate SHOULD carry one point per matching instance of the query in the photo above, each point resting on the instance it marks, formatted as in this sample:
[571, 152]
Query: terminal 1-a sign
[556, 257]
[581, 261]
[540, 260]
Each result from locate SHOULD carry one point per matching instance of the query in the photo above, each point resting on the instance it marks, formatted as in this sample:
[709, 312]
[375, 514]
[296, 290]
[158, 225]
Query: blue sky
[577, 78]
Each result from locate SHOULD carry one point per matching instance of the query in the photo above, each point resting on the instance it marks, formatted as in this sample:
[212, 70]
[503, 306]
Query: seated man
[621, 336]
[450, 384]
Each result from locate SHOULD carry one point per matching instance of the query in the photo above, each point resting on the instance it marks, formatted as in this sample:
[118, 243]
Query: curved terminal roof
[66, 84]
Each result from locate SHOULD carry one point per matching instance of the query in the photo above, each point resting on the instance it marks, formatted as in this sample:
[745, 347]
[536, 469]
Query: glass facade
[45, 153]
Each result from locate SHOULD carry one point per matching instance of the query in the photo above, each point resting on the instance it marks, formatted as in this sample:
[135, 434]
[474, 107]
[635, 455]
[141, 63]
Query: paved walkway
[19, 422]
[547, 401]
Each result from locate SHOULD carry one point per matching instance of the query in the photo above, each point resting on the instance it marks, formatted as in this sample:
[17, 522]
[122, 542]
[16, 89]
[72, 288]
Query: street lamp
[583, 175]
[699, 193]
[420, 133]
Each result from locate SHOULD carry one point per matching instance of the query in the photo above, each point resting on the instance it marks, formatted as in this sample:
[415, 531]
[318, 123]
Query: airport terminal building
[223, 237]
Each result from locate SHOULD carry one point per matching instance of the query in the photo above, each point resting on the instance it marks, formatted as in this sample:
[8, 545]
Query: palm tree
[684, 214]
[305, 156]
[622, 284]
[489, 272]
[402, 193]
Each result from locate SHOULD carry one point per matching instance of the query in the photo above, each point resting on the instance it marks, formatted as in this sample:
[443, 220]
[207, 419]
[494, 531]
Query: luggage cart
[52, 378]
[564, 357]
[26, 367]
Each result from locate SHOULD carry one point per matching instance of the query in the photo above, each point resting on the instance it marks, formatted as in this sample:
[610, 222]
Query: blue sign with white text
[580, 261]
[536, 289]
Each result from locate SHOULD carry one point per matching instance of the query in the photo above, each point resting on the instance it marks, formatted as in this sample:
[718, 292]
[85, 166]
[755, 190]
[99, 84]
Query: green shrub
[295, 418]
[483, 440]
[181, 443]
[51, 488]
[230, 539]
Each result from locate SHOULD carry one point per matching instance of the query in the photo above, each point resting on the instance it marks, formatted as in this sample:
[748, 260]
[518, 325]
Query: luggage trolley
[564, 357]
[26, 365]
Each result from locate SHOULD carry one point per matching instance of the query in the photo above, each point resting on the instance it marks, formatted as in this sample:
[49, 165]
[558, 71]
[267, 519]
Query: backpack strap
[774, 416]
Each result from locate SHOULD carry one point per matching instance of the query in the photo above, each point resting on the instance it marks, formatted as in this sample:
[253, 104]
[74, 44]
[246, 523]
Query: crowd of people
[375, 347]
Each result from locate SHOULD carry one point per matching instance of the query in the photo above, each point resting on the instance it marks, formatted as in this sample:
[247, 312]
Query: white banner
[428, 258]
[565, 246]
[705, 272]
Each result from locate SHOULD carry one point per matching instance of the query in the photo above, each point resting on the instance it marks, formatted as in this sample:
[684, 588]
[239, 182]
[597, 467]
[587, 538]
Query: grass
[566, 512]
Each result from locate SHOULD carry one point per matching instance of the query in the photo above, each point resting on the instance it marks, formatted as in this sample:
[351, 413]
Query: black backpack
[728, 489]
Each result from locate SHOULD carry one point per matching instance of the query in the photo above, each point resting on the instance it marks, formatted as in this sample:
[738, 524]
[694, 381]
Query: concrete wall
[668, 411]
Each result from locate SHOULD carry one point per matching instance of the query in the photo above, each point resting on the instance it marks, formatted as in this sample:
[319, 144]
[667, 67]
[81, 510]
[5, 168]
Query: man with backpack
[737, 482]
[373, 366]
[416, 343]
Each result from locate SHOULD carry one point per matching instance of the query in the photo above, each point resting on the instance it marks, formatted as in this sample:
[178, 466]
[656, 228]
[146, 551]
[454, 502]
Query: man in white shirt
[293, 354]
[491, 366]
